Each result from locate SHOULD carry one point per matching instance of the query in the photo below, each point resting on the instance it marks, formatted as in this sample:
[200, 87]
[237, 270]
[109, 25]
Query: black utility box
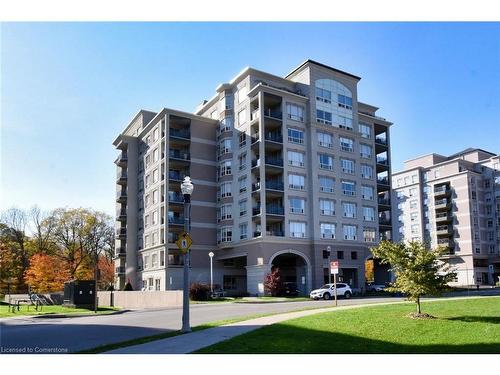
[79, 294]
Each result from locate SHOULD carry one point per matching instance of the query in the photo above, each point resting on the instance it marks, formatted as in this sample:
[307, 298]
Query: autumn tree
[272, 282]
[47, 273]
[418, 270]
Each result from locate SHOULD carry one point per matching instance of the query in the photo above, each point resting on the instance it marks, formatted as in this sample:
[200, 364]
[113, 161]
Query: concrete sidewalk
[193, 341]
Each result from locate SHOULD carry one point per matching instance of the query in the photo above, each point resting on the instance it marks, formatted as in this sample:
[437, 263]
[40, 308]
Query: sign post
[334, 268]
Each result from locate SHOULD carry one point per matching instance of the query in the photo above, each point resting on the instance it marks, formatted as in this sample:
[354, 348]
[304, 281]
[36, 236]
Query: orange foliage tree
[46, 273]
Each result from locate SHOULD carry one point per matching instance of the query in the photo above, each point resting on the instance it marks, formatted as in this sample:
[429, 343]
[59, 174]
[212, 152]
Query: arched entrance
[294, 269]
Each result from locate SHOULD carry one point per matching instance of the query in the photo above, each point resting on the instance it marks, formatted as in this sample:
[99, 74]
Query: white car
[375, 288]
[327, 291]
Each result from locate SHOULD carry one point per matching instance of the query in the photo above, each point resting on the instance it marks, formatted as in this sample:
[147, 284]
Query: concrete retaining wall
[52, 298]
[141, 300]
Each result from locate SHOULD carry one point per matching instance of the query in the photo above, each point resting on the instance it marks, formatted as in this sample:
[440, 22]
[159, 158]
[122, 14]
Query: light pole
[187, 189]
[329, 251]
[211, 255]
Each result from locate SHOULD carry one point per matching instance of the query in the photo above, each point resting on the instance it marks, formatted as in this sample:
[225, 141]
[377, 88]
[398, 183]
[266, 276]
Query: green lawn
[51, 309]
[461, 326]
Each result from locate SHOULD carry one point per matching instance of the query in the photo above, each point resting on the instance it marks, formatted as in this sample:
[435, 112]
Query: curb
[59, 316]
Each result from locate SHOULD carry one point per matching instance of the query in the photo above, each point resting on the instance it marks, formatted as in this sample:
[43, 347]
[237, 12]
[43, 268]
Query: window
[242, 94]
[225, 168]
[243, 207]
[327, 230]
[225, 146]
[243, 184]
[225, 234]
[155, 196]
[296, 181]
[349, 232]
[226, 189]
[162, 258]
[369, 234]
[340, 255]
[344, 101]
[229, 282]
[346, 144]
[295, 158]
[413, 204]
[297, 205]
[155, 155]
[154, 260]
[145, 262]
[295, 112]
[349, 209]
[326, 184]
[366, 171]
[413, 192]
[226, 124]
[325, 140]
[297, 229]
[323, 95]
[155, 176]
[365, 151]
[243, 161]
[347, 166]
[354, 255]
[327, 207]
[413, 216]
[243, 139]
[367, 192]
[242, 117]
[349, 188]
[146, 221]
[157, 284]
[155, 134]
[243, 231]
[226, 212]
[368, 213]
[325, 161]
[154, 219]
[323, 117]
[295, 136]
[365, 130]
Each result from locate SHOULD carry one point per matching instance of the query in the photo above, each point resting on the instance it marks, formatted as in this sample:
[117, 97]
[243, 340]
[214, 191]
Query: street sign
[334, 267]
[184, 242]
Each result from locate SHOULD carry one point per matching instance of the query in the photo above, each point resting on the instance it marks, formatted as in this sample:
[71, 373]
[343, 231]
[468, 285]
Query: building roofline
[309, 61]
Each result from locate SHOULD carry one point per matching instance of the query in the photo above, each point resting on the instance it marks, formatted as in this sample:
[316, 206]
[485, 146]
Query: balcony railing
[172, 237]
[121, 232]
[121, 194]
[384, 221]
[256, 186]
[275, 210]
[382, 160]
[276, 233]
[274, 137]
[254, 115]
[178, 133]
[175, 220]
[441, 190]
[178, 154]
[384, 201]
[268, 112]
[255, 163]
[381, 140]
[255, 211]
[383, 180]
[175, 176]
[274, 185]
[175, 197]
[121, 213]
[274, 161]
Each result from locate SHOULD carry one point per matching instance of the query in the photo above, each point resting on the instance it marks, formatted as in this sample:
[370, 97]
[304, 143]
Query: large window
[346, 144]
[323, 117]
[297, 205]
[242, 117]
[366, 171]
[349, 209]
[348, 188]
[225, 168]
[226, 124]
[369, 234]
[295, 112]
[326, 184]
[242, 94]
[327, 230]
[243, 231]
[243, 184]
[365, 151]
[344, 101]
[323, 95]
[225, 146]
[295, 136]
[327, 207]
[297, 229]
[325, 140]
[226, 212]
[295, 158]
[325, 161]
[367, 192]
[225, 234]
[334, 98]
[296, 182]
[365, 130]
[242, 158]
[347, 166]
[349, 232]
[368, 213]
[243, 207]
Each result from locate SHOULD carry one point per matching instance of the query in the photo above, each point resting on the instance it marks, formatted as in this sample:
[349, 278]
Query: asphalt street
[66, 335]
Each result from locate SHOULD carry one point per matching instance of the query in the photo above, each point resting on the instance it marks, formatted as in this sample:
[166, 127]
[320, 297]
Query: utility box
[79, 294]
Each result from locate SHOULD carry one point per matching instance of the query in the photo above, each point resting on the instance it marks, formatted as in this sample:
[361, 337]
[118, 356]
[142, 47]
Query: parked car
[371, 287]
[327, 291]
[289, 289]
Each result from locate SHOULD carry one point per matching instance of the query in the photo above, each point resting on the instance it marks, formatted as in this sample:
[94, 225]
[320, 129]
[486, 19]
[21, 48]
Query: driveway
[65, 335]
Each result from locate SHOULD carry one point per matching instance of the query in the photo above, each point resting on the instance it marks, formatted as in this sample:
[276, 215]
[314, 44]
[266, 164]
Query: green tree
[418, 269]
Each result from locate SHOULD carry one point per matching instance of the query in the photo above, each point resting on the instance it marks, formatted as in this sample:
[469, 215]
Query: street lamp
[211, 255]
[186, 189]
[329, 252]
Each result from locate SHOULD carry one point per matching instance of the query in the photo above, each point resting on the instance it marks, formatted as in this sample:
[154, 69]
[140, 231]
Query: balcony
[442, 204]
[255, 115]
[120, 270]
[175, 220]
[179, 155]
[178, 133]
[441, 191]
[121, 233]
[275, 233]
[175, 259]
[121, 196]
[174, 197]
[381, 140]
[274, 185]
[383, 181]
[122, 159]
[443, 218]
[444, 230]
[120, 252]
[256, 186]
[274, 137]
[255, 163]
[176, 176]
[446, 243]
[273, 114]
[384, 201]
[275, 210]
[255, 211]
[274, 161]
[121, 178]
[257, 234]
[384, 221]
[382, 161]
[121, 215]
[172, 237]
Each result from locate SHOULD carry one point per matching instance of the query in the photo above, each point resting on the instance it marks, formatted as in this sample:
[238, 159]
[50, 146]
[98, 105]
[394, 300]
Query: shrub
[199, 292]
[272, 283]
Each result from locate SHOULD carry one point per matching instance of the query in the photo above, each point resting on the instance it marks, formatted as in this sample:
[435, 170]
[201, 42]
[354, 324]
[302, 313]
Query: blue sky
[69, 88]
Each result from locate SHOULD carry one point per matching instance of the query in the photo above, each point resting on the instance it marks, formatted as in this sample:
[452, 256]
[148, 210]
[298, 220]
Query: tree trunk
[418, 305]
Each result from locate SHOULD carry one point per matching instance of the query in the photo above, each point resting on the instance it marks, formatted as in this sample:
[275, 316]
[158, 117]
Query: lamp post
[187, 189]
[211, 255]
[329, 252]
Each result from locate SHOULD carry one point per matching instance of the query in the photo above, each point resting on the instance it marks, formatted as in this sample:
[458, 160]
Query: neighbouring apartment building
[453, 201]
[282, 168]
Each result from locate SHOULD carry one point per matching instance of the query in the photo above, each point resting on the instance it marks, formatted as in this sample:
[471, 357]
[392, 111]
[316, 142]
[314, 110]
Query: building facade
[283, 168]
[453, 201]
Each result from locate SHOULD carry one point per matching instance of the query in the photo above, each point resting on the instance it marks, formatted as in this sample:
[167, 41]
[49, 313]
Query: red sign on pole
[334, 267]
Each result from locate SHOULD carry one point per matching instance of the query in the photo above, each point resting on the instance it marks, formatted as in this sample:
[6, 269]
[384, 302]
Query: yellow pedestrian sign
[184, 242]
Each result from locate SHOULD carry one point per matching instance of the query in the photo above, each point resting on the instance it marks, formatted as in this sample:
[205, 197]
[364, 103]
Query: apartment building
[453, 201]
[283, 168]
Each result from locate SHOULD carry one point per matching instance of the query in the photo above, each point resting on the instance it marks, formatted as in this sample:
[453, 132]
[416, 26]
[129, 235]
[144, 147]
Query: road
[63, 335]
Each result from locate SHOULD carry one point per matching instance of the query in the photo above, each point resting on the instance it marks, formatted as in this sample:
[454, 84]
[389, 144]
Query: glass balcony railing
[274, 137]
[175, 220]
[178, 133]
[275, 210]
[274, 161]
[179, 154]
[274, 185]
[175, 197]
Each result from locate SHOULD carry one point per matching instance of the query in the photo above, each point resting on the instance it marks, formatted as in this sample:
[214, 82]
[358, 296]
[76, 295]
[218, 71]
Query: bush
[199, 292]
[272, 282]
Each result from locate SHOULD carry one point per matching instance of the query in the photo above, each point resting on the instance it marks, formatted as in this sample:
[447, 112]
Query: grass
[461, 326]
[50, 309]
